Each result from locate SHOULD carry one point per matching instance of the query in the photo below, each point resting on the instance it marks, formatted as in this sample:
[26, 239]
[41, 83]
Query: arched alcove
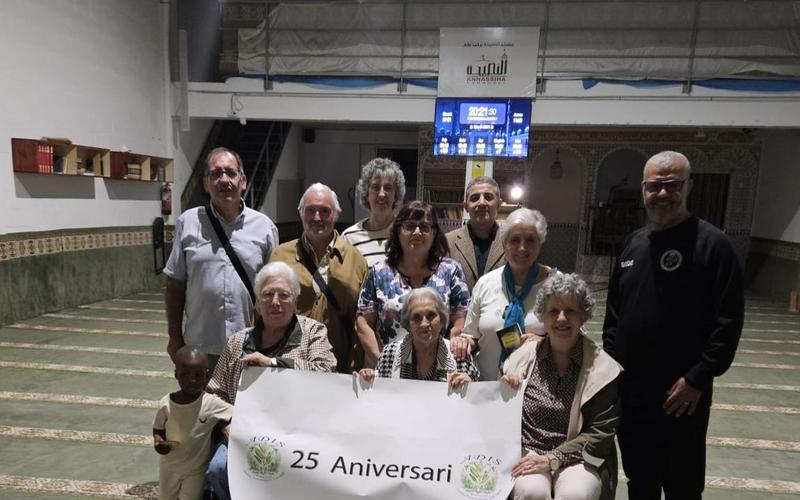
[617, 207]
[556, 181]
[619, 176]
[555, 188]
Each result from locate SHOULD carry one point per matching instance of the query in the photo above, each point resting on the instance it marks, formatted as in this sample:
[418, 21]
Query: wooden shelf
[61, 157]
[89, 160]
[47, 156]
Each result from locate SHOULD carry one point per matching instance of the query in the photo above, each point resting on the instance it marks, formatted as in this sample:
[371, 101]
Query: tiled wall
[560, 250]
[53, 270]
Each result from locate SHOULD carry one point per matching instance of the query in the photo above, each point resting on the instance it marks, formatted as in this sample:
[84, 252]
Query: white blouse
[485, 317]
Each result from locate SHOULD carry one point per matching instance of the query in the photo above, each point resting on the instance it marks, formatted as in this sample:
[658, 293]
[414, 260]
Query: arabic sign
[488, 62]
[301, 435]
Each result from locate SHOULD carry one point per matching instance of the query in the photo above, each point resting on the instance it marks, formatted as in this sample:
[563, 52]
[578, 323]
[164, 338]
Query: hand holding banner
[301, 435]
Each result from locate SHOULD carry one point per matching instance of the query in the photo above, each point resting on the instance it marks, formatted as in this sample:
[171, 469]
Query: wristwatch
[555, 464]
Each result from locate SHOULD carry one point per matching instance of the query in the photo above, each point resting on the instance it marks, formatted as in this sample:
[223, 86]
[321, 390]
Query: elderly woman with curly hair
[504, 297]
[415, 257]
[569, 409]
[381, 189]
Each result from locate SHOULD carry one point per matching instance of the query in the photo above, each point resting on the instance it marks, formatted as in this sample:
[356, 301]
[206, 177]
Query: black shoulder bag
[237, 264]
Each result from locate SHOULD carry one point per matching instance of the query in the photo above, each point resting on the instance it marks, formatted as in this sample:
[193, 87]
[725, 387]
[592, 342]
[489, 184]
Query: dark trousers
[662, 452]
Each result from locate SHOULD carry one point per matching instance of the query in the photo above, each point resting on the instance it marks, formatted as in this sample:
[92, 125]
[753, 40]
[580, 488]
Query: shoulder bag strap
[237, 264]
[308, 262]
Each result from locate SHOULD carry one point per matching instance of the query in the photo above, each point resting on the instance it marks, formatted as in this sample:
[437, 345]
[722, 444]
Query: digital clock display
[482, 112]
[482, 127]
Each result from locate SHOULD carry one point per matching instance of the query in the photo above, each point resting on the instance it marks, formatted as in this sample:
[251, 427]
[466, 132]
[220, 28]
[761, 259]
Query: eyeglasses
[410, 226]
[672, 186]
[270, 296]
[215, 174]
[417, 318]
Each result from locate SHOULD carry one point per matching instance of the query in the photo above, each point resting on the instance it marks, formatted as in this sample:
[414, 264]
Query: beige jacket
[463, 250]
[346, 272]
[598, 370]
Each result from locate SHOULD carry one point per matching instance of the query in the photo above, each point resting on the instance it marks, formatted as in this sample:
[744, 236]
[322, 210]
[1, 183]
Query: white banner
[488, 62]
[302, 435]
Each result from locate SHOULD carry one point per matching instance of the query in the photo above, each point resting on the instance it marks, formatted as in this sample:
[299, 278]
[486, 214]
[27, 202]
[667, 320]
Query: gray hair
[527, 217]
[484, 179]
[277, 269]
[564, 284]
[318, 186]
[669, 158]
[422, 294]
[220, 150]
[381, 167]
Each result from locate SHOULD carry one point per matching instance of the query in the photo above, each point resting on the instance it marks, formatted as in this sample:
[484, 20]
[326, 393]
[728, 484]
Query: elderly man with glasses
[216, 253]
[674, 316]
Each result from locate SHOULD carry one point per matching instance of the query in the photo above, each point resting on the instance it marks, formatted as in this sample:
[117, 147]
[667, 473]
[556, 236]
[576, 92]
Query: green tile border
[18, 245]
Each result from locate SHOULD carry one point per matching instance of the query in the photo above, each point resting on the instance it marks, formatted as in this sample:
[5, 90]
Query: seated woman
[280, 338]
[424, 354]
[505, 297]
[569, 409]
[415, 257]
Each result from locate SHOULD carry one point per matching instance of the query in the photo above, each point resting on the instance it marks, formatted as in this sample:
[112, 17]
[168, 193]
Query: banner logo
[479, 476]
[264, 458]
[484, 71]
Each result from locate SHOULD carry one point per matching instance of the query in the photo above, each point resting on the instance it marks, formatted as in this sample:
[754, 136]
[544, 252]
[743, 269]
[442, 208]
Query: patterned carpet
[79, 389]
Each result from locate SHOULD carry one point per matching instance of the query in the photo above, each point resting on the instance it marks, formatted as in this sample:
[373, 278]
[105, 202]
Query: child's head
[191, 369]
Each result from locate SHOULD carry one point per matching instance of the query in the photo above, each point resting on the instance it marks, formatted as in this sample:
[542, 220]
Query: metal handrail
[250, 191]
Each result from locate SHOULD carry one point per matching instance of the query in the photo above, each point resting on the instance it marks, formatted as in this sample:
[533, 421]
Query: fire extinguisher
[166, 199]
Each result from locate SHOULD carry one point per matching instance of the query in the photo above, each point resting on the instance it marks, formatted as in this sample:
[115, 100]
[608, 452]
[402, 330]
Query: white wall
[91, 71]
[187, 147]
[335, 158]
[777, 208]
[563, 103]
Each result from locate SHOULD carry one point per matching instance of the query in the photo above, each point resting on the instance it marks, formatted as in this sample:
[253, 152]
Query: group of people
[394, 296]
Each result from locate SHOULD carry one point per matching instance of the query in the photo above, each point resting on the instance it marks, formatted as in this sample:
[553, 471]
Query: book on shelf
[443, 196]
[134, 171]
[44, 159]
[448, 213]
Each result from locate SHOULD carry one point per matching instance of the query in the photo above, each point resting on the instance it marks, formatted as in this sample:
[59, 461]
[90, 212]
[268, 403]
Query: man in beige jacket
[330, 271]
[476, 245]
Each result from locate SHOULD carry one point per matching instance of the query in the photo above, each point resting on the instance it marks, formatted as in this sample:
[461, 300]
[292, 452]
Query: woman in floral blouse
[415, 257]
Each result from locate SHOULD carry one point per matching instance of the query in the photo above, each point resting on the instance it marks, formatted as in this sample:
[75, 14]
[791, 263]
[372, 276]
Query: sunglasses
[672, 186]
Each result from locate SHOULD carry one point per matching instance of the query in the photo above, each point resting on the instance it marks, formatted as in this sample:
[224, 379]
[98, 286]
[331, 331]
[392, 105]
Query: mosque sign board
[488, 62]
